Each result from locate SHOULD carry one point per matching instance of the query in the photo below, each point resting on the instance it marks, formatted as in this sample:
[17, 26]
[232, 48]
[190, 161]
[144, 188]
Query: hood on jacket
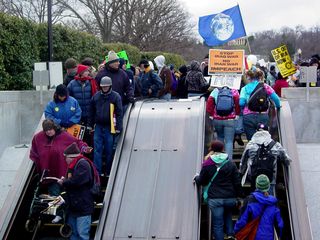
[195, 66]
[219, 158]
[261, 137]
[261, 198]
[159, 61]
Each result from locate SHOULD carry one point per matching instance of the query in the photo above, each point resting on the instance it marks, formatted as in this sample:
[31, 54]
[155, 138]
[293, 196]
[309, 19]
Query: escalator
[150, 194]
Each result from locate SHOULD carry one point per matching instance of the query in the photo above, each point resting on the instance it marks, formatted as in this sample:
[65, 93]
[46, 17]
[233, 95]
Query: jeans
[103, 139]
[221, 216]
[251, 121]
[80, 227]
[225, 130]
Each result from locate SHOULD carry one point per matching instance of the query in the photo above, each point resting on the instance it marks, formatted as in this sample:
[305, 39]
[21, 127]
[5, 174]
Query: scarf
[74, 163]
[92, 81]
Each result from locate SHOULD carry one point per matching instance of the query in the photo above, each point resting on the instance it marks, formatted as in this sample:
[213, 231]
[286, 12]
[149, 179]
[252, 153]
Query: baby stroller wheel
[65, 230]
[31, 224]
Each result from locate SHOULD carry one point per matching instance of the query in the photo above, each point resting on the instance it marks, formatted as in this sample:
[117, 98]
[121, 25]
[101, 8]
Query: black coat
[79, 198]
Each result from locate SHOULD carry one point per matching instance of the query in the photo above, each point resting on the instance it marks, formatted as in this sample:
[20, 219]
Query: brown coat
[166, 78]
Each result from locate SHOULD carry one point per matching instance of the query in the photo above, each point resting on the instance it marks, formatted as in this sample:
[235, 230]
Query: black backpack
[259, 99]
[225, 102]
[263, 162]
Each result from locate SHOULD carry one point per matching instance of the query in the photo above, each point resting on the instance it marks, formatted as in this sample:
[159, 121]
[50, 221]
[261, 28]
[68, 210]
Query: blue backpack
[225, 102]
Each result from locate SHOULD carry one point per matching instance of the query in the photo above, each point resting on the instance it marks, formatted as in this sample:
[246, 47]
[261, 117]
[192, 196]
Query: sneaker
[56, 219]
[230, 238]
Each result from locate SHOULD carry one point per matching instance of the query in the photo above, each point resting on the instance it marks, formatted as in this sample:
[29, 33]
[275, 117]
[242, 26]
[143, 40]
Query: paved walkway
[309, 156]
[10, 162]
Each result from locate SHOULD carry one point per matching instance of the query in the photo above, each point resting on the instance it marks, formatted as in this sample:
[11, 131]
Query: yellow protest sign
[226, 61]
[283, 60]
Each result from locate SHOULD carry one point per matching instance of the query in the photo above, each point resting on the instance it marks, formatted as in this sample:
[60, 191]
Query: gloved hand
[195, 177]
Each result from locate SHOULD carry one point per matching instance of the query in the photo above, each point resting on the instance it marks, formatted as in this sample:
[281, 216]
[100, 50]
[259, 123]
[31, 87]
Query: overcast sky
[259, 15]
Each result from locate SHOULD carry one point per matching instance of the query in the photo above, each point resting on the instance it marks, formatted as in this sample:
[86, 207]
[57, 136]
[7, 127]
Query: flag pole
[248, 44]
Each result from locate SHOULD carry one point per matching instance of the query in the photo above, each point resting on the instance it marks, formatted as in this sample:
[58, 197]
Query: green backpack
[206, 188]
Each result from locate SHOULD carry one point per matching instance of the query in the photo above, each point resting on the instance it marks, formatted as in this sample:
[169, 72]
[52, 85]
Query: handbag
[249, 231]
[206, 188]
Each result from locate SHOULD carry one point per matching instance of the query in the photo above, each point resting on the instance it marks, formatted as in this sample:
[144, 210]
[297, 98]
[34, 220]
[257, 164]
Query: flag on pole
[217, 29]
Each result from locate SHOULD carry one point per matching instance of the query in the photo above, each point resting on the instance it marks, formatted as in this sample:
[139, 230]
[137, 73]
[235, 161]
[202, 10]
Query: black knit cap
[62, 90]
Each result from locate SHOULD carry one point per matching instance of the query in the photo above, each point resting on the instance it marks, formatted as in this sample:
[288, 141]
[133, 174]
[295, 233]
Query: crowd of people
[98, 99]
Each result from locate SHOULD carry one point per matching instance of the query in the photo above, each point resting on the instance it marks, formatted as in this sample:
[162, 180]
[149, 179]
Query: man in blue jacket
[64, 110]
[106, 114]
[261, 204]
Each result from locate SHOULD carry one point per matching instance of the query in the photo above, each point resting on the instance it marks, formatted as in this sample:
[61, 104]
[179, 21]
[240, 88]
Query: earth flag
[216, 29]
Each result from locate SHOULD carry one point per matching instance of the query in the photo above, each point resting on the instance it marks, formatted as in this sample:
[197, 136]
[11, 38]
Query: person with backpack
[254, 100]
[261, 156]
[224, 179]
[79, 198]
[149, 82]
[223, 108]
[259, 214]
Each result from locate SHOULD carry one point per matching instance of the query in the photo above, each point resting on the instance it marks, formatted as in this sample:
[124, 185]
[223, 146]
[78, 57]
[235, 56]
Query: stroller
[44, 208]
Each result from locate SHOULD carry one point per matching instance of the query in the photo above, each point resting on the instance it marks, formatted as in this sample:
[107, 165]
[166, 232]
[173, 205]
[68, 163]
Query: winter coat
[100, 109]
[78, 184]
[195, 79]
[248, 89]
[166, 77]
[120, 83]
[280, 83]
[47, 153]
[264, 206]
[150, 80]
[65, 113]
[211, 109]
[81, 91]
[250, 152]
[182, 89]
[227, 182]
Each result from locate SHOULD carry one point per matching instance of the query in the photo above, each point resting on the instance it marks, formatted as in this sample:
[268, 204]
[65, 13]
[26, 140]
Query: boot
[237, 138]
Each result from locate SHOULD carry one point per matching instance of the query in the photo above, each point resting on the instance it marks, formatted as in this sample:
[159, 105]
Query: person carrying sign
[224, 188]
[254, 99]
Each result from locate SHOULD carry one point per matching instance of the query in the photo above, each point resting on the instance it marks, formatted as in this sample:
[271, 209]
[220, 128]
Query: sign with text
[308, 74]
[226, 61]
[283, 60]
[229, 80]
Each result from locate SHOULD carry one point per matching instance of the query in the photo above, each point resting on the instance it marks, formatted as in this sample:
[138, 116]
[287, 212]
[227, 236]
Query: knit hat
[262, 126]
[62, 90]
[72, 150]
[112, 57]
[70, 63]
[183, 69]
[263, 183]
[48, 124]
[81, 69]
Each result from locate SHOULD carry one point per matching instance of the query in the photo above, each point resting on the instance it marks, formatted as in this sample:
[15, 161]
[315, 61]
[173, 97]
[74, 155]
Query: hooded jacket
[120, 83]
[165, 75]
[195, 79]
[227, 182]
[264, 206]
[250, 152]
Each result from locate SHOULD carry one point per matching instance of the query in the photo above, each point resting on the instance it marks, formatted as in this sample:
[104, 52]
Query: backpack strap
[258, 88]
[216, 173]
[271, 144]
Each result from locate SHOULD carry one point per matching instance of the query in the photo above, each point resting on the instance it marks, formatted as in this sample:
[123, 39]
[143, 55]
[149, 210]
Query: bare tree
[35, 10]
